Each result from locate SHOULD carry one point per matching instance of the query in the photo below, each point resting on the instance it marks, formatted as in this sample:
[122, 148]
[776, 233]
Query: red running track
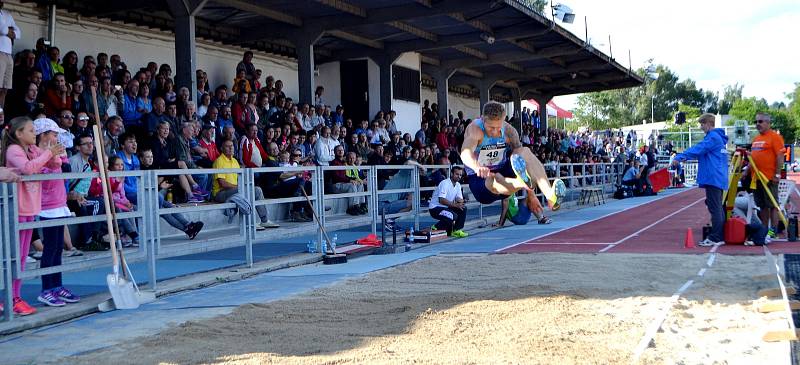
[656, 227]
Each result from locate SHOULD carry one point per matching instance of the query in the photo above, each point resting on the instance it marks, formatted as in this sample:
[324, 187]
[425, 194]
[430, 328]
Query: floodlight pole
[652, 108]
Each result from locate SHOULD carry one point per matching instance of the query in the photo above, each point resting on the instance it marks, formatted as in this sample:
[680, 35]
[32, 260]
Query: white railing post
[318, 187]
[415, 180]
[372, 205]
[250, 221]
[6, 233]
[152, 218]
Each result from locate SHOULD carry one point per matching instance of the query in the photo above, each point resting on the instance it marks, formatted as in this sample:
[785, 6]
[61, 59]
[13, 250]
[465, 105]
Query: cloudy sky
[714, 42]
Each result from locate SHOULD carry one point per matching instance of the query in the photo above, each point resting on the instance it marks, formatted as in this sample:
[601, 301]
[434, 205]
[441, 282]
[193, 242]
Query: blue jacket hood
[712, 159]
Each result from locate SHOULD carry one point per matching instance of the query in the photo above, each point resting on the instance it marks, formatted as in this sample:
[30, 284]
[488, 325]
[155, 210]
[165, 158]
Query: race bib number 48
[491, 155]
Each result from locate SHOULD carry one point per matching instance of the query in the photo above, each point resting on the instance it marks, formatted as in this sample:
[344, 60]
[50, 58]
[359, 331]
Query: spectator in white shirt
[324, 147]
[447, 204]
[9, 32]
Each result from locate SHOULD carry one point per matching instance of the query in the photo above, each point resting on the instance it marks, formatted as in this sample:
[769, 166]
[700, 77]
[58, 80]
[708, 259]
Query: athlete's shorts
[477, 185]
[523, 215]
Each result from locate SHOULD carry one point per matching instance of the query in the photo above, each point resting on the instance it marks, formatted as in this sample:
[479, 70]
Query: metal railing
[148, 213]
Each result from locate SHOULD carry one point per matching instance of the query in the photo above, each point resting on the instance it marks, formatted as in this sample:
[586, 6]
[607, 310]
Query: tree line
[663, 96]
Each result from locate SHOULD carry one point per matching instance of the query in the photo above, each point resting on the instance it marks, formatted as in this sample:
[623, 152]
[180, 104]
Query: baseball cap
[42, 125]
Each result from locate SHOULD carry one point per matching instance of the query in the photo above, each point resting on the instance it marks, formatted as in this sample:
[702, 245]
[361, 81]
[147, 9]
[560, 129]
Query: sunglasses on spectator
[297, 155]
[67, 117]
[759, 121]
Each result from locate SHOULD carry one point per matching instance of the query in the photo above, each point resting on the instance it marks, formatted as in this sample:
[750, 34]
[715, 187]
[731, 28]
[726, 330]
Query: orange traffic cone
[688, 242]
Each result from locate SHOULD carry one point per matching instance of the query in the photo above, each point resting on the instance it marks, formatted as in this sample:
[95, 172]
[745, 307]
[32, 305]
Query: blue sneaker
[49, 298]
[66, 295]
[520, 168]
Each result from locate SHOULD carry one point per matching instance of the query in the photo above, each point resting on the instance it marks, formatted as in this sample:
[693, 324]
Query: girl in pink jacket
[54, 206]
[19, 152]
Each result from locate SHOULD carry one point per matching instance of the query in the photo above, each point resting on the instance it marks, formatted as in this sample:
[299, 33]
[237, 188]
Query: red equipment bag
[660, 180]
[735, 228]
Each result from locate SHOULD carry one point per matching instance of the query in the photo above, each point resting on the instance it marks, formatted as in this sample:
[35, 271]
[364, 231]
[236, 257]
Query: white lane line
[652, 329]
[701, 272]
[634, 234]
[610, 246]
[711, 259]
[589, 221]
[566, 243]
[714, 249]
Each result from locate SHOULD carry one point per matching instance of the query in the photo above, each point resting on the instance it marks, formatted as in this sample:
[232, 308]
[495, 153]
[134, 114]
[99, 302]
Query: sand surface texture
[498, 309]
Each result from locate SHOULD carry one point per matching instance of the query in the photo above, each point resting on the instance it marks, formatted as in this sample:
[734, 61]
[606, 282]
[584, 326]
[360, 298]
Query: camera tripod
[756, 176]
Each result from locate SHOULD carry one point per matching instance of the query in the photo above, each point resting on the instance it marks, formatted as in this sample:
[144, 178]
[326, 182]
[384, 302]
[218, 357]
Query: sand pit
[529, 309]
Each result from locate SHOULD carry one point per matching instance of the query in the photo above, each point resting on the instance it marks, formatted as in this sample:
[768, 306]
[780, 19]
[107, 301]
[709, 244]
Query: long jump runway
[655, 227]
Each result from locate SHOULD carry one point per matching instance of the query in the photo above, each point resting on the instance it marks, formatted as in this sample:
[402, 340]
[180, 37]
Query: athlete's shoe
[519, 166]
[459, 234]
[560, 190]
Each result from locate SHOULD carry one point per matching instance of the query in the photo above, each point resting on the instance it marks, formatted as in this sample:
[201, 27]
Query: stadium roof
[530, 51]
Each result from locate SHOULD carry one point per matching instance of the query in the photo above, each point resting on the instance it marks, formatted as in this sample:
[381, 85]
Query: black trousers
[450, 219]
[53, 242]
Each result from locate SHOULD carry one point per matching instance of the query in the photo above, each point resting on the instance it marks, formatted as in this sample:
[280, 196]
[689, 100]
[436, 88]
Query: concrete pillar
[185, 55]
[485, 87]
[304, 46]
[385, 63]
[442, 78]
[515, 94]
[542, 101]
[51, 24]
[184, 12]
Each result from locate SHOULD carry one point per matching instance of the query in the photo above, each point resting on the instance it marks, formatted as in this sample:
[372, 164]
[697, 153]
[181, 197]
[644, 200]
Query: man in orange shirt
[767, 151]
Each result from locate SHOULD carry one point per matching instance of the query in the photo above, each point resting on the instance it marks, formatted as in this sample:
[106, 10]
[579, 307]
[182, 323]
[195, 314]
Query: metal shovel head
[122, 292]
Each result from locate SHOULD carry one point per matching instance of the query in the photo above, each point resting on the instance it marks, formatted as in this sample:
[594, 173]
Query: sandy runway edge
[542, 308]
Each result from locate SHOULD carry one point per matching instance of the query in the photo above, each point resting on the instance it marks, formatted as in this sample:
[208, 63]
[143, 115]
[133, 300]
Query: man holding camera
[9, 31]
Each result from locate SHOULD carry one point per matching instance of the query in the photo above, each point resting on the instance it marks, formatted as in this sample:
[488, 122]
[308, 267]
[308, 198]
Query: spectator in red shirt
[239, 111]
[253, 154]
[57, 96]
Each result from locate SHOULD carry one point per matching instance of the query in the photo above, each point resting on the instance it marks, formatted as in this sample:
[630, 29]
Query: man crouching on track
[498, 165]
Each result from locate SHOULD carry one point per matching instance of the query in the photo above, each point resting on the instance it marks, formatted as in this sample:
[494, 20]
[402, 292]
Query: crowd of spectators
[149, 124]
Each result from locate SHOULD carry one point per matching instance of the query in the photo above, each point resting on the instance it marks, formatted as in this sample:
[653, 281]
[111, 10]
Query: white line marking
[714, 249]
[607, 248]
[701, 272]
[656, 324]
[566, 243]
[589, 221]
[634, 234]
[658, 221]
[711, 259]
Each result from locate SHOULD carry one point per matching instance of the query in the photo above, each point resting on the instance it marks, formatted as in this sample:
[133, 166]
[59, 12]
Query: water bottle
[334, 240]
[312, 246]
[411, 239]
[791, 230]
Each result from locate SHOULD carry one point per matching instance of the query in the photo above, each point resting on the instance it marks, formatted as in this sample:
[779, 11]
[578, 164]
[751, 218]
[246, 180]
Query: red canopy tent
[553, 109]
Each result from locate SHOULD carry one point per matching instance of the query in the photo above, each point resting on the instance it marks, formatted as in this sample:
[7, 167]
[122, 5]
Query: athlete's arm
[512, 138]
[472, 137]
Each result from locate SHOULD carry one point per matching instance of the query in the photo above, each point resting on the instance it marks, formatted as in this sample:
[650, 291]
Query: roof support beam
[464, 39]
[399, 13]
[500, 58]
[344, 6]
[356, 38]
[263, 11]
[421, 33]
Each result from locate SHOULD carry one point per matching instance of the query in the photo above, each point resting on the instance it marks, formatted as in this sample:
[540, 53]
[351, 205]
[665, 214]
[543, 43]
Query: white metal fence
[243, 232]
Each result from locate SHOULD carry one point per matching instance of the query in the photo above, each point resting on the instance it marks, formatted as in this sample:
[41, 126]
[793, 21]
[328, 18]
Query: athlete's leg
[538, 174]
[534, 206]
[501, 185]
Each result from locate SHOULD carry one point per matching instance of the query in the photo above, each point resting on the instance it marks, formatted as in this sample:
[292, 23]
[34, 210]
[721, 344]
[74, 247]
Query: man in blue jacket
[712, 174]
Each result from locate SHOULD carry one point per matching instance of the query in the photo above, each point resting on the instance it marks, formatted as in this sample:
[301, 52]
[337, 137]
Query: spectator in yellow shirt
[227, 184]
